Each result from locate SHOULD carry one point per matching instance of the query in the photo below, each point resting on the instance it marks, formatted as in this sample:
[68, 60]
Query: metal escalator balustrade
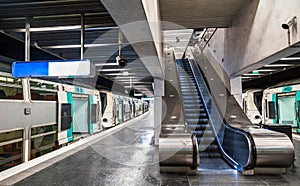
[178, 147]
[195, 112]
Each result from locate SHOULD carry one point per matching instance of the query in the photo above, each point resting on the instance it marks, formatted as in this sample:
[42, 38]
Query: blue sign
[64, 68]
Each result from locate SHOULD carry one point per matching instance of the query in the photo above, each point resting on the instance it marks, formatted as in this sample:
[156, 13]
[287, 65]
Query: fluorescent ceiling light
[119, 74]
[290, 58]
[139, 82]
[252, 74]
[246, 77]
[106, 64]
[79, 46]
[132, 77]
[137, 86]
[61, 28]
[112, 70]
[279, 65]
[265, 70]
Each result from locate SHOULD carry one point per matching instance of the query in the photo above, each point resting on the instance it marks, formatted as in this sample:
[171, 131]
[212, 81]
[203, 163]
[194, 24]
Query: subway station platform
[126, 155]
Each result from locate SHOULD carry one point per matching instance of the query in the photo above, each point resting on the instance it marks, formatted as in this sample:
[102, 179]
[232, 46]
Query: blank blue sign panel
[51, 69]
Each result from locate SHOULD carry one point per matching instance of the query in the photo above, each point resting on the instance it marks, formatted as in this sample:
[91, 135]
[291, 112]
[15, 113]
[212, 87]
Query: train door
[65, 117]
[287, 109]
[134, 108]
[298, 110]
[80, 115]
[121, 111]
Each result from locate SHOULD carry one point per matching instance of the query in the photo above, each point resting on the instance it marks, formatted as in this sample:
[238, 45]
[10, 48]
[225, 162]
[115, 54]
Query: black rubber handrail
[227, 149]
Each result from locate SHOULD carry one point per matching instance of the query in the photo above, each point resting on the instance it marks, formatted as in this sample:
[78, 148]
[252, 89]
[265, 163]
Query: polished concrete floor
[128, 157]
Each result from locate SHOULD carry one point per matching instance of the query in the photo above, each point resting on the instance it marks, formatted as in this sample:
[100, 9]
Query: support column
[27, 39]
[26, 144]
[158, 93]
[236, 89]
[82, 36]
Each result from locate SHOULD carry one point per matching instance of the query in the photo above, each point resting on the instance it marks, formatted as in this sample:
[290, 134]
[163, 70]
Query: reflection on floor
[213, 164]
[128, 157]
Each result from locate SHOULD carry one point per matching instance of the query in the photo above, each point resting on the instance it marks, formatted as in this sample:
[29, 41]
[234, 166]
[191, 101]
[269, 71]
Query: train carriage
[37, 116]
[281, 105]
[252, 105]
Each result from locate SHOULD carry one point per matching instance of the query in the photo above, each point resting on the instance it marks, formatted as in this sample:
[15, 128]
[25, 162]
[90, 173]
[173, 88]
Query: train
[117, 109]
[39, 116]
[278, 104]
[252, 105]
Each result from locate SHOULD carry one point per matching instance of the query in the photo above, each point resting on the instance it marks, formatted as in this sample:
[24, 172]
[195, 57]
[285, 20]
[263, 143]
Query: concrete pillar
[236, 89]
[158, 93]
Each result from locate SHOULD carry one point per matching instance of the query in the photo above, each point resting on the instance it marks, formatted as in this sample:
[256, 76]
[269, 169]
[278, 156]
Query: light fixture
[279, 65]
[290, 59]
[252, 74]
[265, 70]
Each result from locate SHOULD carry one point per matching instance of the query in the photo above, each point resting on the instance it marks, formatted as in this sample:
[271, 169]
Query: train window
[7, 92]
[103, 102]
[272, 111]
[10, 88]
[42, 85]
[94, 113]
[43, 140]
[9, 80]
[258, 100]
[66, 117]
[245, 106]
[11, 148]
[43, 95]
[265, 104]
[43, 91]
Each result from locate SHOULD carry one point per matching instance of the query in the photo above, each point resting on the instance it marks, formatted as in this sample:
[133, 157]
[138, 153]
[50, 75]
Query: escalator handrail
[251, 159]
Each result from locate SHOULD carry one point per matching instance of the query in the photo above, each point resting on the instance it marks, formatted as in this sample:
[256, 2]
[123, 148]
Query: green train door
[80, 115]
[287, 109]
[298, 110]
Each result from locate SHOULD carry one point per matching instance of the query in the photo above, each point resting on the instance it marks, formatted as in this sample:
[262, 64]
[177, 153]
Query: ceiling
[199, 13]
[284, 69]
[56, 28]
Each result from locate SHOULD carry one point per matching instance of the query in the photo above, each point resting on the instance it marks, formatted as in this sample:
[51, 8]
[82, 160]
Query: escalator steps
[209, 155]
[195, 113]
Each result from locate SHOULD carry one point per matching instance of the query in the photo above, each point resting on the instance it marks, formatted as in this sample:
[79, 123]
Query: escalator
[195, 113]
[197, 118]
[228, 136]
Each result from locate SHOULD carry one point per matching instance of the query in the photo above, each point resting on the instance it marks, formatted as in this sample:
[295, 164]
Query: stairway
[195, 113]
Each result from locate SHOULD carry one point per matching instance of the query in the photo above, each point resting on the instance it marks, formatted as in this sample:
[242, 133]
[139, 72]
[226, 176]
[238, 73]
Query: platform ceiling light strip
[106, 64]
[133, 77]
[265, 70]
[39, 17]
[290, 59]
[244, 77]
[253, 74]
[120, 74]
[112, 70]
[138, 82]
[279, 65]
[61, 28]
[64, 68]
[78, 46]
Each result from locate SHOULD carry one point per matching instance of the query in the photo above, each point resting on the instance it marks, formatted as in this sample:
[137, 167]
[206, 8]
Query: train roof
[286, 83]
